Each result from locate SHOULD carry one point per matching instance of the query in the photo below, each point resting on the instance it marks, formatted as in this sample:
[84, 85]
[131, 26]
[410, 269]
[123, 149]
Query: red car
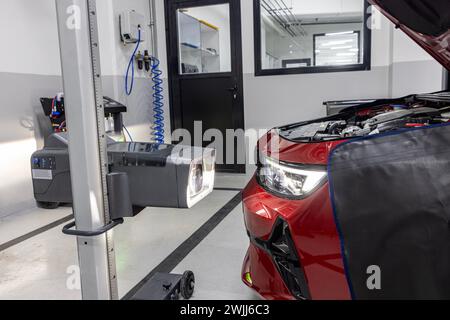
[295, 251]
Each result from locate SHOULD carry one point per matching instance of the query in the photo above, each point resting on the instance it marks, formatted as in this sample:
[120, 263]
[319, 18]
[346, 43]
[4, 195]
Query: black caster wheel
[47, 205]
[187, 285]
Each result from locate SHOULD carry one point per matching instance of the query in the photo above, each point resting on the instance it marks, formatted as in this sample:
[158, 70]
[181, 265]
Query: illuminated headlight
[201, 178]
[289, 180]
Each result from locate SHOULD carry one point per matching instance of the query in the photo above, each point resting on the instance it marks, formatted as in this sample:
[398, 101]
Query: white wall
[308, 7]
[30, 30]
[413, 70]
[111, 34]
[29, 37]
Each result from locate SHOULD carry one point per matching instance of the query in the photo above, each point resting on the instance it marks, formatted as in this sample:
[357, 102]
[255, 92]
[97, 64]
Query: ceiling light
[334, 43]
[341, 48]
[339, 33]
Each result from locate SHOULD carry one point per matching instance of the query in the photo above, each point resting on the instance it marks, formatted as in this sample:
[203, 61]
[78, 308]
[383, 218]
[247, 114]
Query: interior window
[204, 39]
[296, 36]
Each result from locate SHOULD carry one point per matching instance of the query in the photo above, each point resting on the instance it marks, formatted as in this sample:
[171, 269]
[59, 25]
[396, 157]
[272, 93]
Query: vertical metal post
[153, 28]
[78, 36]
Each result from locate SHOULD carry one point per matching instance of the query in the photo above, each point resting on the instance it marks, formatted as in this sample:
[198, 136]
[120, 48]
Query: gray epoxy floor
[20, 223]
[217, 262]
[40, 267]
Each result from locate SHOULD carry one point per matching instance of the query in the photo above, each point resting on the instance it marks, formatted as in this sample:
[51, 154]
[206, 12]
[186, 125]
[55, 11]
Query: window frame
[364, 66]
[293, 61]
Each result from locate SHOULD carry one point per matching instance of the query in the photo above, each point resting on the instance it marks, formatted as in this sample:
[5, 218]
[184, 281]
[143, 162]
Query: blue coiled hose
[129, 90]
[158, 97]
[158, 103]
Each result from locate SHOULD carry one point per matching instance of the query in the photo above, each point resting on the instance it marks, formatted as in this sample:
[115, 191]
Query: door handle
[234, 91]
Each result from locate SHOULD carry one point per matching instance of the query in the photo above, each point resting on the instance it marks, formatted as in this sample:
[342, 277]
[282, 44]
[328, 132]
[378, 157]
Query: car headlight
[289, 180]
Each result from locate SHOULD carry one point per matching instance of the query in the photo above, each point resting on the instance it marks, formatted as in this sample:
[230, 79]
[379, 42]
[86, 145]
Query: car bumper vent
[281, 248]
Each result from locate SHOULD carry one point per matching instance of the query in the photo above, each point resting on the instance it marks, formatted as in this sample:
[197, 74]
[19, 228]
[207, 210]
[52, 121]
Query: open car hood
[426, 21]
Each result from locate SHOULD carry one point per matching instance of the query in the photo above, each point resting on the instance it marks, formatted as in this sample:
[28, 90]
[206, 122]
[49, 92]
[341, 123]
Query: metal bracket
[79, 233]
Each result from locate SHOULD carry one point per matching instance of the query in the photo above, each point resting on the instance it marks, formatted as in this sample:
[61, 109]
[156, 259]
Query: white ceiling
[324, 7]
[319, 11]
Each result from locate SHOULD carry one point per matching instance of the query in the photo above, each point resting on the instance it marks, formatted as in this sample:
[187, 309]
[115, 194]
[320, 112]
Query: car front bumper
[295, 249]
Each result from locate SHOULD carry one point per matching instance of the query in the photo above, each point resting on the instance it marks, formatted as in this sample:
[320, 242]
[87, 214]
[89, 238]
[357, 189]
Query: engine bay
[369, 121]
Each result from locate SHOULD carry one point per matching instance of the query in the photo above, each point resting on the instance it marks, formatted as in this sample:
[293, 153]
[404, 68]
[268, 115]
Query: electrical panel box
[130, 22]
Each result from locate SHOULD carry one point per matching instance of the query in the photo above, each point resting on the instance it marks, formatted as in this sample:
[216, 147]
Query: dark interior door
[205, 70]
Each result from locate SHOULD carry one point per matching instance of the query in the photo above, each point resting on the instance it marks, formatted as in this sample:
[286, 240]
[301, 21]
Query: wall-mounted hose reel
[132, 27]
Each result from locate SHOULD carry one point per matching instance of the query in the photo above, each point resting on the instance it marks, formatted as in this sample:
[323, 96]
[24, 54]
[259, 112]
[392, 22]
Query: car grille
[281, 248]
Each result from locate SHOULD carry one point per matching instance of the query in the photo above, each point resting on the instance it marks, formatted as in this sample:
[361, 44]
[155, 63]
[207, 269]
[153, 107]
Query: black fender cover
[391, 201]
